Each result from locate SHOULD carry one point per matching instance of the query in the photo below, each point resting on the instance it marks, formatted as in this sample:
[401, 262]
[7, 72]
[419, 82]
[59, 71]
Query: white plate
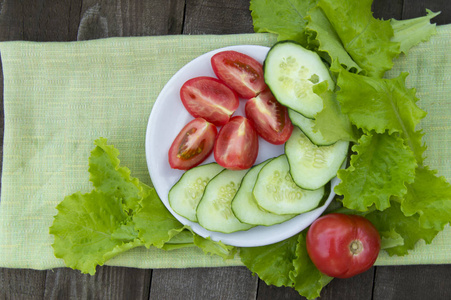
[168, 117]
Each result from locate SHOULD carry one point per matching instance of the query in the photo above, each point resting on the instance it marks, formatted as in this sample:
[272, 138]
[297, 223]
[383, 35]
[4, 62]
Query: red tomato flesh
[343, 245]
[240, 72]
[208, 98]
[236, 146]
[192, 145]
[269, 118]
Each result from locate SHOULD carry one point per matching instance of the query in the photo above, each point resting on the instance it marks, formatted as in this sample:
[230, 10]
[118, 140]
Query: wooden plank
[203, 283]
[217, 17]
[271, 292]
[107, 283]
[50, 20]
[357, 287]
[413, 282]
[22, 284]
[417, 8]
[105, 18]
[386, 9]
[11, 20]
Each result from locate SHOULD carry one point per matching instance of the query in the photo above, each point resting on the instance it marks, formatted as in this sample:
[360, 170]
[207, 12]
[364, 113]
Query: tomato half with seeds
[193, 144]
[269, 117]
[343, 245]
[236, 146]
[240, 72]
[209, 98]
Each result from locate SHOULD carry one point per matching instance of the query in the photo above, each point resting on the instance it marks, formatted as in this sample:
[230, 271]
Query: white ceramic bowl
[168, 117]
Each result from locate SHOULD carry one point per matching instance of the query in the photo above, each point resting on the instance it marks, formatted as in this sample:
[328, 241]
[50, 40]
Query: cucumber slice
[185, 195]
[214, 211]
[246, 208]
[291, 71]
[306, 125]
[312, 166]
[275, 190]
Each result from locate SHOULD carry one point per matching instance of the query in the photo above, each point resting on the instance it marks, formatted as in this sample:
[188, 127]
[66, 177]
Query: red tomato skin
[330, 237]
[209, 98]
[236, 147]
[240, 72]
[269, 118]
[200, 135]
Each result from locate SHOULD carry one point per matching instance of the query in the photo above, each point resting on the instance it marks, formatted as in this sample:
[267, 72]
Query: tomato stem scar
[356, 247]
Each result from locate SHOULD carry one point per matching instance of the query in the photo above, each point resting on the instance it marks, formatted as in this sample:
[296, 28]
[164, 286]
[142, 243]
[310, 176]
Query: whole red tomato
[343, 245]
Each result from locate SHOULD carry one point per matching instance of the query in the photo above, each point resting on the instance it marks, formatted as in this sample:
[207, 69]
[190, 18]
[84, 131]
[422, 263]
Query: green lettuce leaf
[308, 280]
[155, 224]
[411, 32]
[330, 121]
[382, 105]
[392, 222]
[429, 197]
[391, 239]
[272, 263]
[214, 248]
[379, 104]
[88, 230]
[366, 39]
[323, 39]
[126, 232]
[286, 263]
[286, 18]
[380, 168]
[107, 176]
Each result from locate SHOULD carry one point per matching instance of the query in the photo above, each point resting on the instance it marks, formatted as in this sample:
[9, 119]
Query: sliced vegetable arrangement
[329, 80]
[215, 100]
[284, 187]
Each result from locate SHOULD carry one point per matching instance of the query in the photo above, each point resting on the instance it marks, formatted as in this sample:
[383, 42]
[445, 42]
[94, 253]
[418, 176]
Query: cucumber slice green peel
[214, 211]
[291, 72]
[185, 195]
[245, 206]
[307, 126]
[275, 190]
[313, 166]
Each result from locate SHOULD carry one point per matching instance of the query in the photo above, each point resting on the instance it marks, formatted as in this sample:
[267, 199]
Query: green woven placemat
[60, 97]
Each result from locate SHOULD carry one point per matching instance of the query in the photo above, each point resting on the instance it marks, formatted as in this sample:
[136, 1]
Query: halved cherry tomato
[192, 145]
[236, 146]
[240, 72]
[209, 98]
[343, 245]
[269, 117]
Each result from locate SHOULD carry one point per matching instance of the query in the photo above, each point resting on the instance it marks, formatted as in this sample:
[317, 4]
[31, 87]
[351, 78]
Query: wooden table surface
[70, 20]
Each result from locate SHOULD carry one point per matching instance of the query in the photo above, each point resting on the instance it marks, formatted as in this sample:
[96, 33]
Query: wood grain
[417, 8]
[386, 9]
[111, 282]
[101, 19]
[22, 284]
[217, 17]
[413, 282]
[213, 283]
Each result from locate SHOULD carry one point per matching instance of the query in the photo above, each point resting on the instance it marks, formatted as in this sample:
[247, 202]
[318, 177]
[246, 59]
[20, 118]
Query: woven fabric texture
[60, 97]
